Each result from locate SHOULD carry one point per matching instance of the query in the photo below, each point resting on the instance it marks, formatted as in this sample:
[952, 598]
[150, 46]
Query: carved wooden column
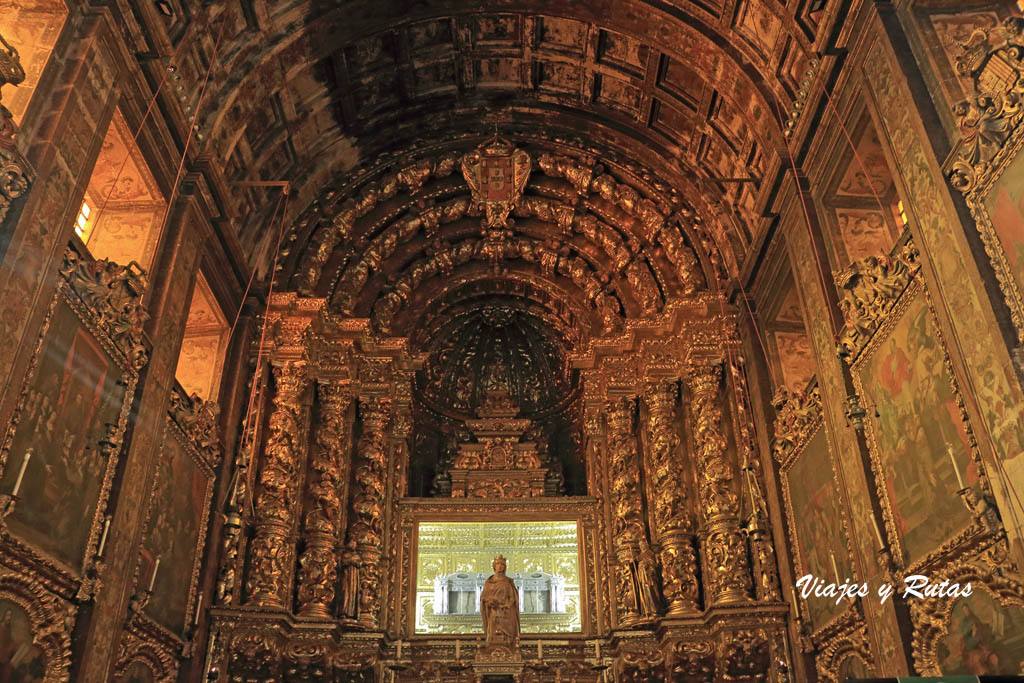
[627, 520]
[726, 567]
[667, 497]
[272, 551]
[322, 521]
[367, 527]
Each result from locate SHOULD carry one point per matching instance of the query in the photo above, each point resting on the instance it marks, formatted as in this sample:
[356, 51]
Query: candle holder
[982, 507]
[7, 503]
[138, 602]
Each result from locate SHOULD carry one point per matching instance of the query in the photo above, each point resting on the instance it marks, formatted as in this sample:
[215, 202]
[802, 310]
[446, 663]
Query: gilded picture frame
[91, 330]
[814, 433]
[914, 300]
[177, 443]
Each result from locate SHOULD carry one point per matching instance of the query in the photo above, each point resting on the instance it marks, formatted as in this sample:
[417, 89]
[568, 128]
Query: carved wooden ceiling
[654, 128]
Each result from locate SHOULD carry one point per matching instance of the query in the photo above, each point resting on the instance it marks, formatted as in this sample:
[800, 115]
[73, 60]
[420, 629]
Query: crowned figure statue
[499, 606]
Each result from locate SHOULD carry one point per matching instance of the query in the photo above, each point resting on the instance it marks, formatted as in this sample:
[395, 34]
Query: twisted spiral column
[367, 527]
[727, 569]
[272, 552]
[667, 498]
[318, 564]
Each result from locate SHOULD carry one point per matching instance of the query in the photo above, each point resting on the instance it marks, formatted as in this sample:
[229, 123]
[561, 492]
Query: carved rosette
[724, 546]
[668, 499]
[367, 527]
[627, 519]
[272, 552]
[318, 564]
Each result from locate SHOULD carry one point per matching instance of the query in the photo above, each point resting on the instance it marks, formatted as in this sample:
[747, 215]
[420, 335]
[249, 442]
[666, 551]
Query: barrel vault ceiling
[653, 127]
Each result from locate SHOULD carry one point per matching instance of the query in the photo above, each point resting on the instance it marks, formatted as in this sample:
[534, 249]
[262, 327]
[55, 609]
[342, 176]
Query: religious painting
[1003, 209]
[21, 660]
[175, 533]
[983, 637]
[815, 517]
[904, 376]
[137, 672]
[70, 406]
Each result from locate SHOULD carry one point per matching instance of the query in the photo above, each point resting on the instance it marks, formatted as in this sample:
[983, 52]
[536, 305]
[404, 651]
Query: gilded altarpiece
[60, 452]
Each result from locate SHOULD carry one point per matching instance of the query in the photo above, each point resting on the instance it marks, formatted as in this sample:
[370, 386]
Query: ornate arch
[50, 617]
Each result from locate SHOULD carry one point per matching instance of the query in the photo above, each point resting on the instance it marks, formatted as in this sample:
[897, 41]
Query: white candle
[21, 472]
[597, 649]
[835, 570]
[199, 605]
[959, 479]
[796, 602]
[399, 656]
[540, 651]
[152, 577]
[458, 649]
[103, 539]
[878, 532]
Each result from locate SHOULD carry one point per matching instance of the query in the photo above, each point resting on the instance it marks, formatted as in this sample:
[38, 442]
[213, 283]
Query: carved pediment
[869, 288]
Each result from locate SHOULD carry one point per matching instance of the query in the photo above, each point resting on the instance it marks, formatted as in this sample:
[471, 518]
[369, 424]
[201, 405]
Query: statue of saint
[350, 561]
[499, 606]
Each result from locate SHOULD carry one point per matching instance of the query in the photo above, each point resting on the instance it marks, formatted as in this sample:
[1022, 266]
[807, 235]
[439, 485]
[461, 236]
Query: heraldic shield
[496, 173]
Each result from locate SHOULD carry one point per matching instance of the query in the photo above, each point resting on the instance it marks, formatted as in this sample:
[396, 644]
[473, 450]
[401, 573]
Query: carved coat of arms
[496, 173]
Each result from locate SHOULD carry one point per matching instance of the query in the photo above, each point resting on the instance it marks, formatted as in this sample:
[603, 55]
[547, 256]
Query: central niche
[454, 560]
[495, 395]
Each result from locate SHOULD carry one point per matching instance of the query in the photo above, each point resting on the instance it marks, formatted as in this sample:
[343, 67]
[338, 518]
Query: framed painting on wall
[809, 486]
[920, 442]
[65, 435]
[176, 529]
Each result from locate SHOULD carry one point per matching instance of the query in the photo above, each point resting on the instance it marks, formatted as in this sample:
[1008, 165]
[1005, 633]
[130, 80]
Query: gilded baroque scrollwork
[628, 528]
[992, 58]
[869, 288]
[114, 294]
[50, 620]
[318, 564]
[272, 550]
[671, 509]
[798, 415]
[727, 571]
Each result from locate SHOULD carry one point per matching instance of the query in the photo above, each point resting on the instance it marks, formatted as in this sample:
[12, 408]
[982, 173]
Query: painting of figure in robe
[177, 520]
[907, 381]
[818, 520]
[21, 661]
[984, 637]
[72, 396]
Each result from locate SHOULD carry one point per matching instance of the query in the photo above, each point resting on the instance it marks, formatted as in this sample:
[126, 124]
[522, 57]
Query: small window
[82, 225]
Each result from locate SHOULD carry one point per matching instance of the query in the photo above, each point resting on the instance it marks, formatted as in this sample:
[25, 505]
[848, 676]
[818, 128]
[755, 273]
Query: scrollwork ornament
[50, 620]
